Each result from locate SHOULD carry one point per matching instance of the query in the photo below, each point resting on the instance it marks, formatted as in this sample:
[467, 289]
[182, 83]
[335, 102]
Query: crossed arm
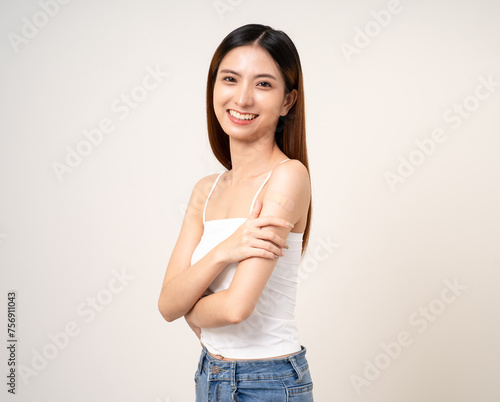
[287, 197]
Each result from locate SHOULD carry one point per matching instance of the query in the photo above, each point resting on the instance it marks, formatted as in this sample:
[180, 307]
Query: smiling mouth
[242, 116]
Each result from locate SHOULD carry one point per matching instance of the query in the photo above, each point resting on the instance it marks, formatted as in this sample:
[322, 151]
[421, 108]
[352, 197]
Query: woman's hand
[249, 241]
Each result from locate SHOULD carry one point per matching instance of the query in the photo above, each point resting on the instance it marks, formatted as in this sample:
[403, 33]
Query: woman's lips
[237, 120]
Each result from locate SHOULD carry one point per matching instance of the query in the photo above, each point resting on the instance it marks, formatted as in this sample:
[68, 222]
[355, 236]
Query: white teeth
[242, 116]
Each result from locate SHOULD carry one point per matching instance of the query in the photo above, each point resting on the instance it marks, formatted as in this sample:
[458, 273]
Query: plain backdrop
[398, 299]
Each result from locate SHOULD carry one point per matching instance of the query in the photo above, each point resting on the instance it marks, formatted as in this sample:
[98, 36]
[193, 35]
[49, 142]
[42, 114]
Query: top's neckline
[230, 219]
[255, 196]
[222, 219]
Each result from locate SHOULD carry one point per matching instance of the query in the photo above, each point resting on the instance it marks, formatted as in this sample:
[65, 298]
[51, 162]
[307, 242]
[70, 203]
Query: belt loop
[233, 381]
[296, 367]
[202, 358]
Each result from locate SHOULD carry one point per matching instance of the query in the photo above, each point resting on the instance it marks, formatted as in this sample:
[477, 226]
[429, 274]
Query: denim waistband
[234, 370]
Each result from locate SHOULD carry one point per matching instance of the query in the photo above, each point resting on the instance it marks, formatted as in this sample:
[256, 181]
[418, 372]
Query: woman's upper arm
[288, 197]
[191, 230]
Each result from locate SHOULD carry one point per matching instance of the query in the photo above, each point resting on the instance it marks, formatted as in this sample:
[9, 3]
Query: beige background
[377, 257]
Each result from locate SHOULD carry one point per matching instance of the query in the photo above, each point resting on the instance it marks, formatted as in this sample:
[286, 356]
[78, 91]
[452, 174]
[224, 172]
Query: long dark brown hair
[290, 134]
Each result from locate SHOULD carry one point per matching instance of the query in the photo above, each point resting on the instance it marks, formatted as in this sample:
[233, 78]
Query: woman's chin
[240, 133]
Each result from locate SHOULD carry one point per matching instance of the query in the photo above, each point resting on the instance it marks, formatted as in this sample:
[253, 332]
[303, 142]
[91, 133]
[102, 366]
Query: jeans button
[215, 370]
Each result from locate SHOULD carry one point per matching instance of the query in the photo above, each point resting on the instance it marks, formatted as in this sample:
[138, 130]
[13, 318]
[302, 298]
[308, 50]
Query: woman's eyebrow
[256, 76]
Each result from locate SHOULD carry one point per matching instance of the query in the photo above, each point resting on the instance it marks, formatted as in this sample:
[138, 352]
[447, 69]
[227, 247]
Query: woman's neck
[250, 160]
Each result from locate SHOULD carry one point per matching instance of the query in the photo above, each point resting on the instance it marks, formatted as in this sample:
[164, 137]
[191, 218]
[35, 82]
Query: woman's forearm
[217, 310]
[179, 295]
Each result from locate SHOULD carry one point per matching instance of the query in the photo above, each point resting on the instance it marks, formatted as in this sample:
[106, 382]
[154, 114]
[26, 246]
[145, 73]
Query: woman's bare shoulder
[292, 178]
[204, 185]
[200, 192]
[292, 172]
[288, 193]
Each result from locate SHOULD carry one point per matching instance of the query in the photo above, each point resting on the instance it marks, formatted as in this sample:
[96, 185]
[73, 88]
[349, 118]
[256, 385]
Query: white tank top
[271, 330]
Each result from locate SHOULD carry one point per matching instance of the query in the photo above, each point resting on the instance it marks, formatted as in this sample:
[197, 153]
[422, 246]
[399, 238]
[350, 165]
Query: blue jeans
[273, 380]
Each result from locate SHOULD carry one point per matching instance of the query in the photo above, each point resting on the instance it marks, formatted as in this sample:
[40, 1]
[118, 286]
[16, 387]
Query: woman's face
[249, 93]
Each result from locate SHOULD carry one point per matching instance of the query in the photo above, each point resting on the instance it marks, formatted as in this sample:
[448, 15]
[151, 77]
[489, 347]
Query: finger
[259, 252]
[272, 221]
[257, 208]
[268, 246]
[271, 237]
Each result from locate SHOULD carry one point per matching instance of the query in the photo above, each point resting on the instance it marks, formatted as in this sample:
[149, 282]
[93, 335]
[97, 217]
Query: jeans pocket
[301, 393]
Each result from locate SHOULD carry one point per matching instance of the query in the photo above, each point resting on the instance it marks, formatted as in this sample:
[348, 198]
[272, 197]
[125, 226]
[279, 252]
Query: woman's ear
[288, 102]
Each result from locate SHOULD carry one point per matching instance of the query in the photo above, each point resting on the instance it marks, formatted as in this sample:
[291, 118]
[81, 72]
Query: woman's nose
[244, 95]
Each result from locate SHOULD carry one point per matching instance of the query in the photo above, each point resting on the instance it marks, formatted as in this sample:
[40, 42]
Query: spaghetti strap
[210, 193]
[262, 185]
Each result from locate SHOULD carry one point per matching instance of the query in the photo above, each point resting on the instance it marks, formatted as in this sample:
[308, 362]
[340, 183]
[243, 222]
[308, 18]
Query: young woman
[233, 273]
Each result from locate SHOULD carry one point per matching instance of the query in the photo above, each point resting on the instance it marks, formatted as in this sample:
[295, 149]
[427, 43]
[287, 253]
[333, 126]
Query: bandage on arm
[280, 199]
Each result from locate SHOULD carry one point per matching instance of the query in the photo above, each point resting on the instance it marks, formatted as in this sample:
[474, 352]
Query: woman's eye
[263, 83]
